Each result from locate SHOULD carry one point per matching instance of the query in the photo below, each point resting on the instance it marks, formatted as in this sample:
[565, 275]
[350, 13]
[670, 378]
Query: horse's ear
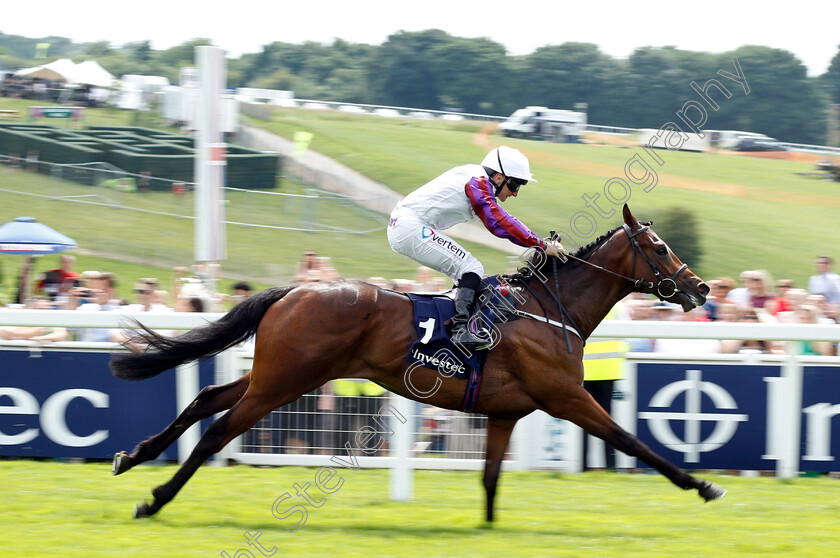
[630, 219]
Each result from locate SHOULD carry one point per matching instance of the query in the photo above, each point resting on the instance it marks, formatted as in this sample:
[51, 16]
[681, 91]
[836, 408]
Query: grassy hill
[752, 212]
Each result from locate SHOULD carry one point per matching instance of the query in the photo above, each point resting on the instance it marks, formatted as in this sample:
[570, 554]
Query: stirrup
[461, 335]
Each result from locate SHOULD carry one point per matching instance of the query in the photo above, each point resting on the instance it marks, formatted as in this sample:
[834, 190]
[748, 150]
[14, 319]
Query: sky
[807, 28]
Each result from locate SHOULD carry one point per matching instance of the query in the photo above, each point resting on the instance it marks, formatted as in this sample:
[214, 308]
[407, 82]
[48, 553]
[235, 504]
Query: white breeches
[409, 236]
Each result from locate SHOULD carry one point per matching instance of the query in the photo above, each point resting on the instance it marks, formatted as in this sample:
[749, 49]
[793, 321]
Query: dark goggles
[514, 184]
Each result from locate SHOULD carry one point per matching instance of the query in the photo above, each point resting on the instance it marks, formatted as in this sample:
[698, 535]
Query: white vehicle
[355, 109]
[137, 92]
[268, 96]
[545, 123]
[387, 112]
[659, 139]
[731, 139]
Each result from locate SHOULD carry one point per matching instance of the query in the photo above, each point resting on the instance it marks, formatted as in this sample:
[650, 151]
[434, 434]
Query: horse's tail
[162, 353]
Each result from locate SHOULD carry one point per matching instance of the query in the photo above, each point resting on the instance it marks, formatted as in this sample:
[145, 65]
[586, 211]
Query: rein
[659, 287]
[563, 315]
[640, 282]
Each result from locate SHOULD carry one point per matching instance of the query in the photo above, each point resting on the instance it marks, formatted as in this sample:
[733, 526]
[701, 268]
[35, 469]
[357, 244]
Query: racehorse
[310, 334]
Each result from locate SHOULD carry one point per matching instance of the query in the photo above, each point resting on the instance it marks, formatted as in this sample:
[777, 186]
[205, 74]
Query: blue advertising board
[68, 404]
[820, 436]
[705, 416]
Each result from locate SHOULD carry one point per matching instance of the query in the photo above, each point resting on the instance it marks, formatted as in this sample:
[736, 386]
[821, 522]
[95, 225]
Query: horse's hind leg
[211, 400]
[242, 416]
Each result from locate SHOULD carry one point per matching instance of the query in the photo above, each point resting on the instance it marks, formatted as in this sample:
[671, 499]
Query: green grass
[107, 116]
[52, 509]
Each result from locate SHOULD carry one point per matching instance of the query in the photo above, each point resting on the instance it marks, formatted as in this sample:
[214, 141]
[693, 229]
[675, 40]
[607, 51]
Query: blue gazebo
[26, 236]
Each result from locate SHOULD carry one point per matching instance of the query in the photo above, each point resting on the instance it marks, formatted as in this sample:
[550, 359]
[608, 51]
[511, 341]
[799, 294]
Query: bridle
[665, 287]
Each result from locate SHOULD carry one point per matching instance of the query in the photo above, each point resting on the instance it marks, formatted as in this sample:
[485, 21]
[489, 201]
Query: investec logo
[443, 361]
[429, 234]
[692, 446]
[53, 415]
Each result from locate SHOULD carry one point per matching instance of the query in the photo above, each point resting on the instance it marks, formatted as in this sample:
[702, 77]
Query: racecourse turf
[61, 509]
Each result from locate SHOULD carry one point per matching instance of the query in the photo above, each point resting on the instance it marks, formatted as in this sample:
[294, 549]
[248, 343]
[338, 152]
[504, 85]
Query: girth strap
[471, 393]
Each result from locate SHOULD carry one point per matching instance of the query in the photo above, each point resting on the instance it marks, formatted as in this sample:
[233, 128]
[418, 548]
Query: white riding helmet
[510, 162]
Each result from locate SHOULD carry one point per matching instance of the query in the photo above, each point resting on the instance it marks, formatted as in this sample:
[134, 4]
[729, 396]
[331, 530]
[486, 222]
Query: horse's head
[658, 269]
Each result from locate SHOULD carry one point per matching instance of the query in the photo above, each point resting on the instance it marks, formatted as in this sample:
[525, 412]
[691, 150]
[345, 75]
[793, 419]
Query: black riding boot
[461, 334]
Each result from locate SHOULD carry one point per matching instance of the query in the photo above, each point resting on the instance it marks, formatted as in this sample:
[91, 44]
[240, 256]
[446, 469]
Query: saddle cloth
[433, 348]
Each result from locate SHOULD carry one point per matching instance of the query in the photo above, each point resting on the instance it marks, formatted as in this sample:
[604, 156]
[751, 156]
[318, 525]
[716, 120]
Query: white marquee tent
[58, 70]
[66, 71]
[91, 73]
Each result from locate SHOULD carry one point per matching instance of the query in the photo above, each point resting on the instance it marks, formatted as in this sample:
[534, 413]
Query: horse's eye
[661, 251]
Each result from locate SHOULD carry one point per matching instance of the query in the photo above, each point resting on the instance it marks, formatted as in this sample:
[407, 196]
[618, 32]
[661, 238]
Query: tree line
[434, 70]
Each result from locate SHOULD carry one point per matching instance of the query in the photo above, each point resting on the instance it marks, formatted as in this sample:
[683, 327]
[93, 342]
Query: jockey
[461, 194]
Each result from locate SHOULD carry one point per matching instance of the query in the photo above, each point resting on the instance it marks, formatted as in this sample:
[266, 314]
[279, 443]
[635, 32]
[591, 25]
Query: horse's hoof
[710, 491]
[142, 510]
[121, 463]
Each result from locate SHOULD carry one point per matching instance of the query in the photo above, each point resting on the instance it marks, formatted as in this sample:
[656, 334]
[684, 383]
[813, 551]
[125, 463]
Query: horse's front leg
[498, 436]
[576, 405]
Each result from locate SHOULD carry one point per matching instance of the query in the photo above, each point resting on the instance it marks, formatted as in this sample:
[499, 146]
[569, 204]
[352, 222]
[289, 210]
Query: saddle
[433, 348]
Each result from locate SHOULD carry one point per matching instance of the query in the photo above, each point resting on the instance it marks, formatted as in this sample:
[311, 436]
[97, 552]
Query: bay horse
[310, 334]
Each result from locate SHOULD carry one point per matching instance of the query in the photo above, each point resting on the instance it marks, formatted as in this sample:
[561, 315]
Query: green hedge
[136, 150]
[164, 168]
[252, 171]
[21, 144]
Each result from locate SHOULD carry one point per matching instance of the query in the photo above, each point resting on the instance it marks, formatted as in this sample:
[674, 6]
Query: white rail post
[186, 389]
[402, 475]
[210, 162]
[788, 464]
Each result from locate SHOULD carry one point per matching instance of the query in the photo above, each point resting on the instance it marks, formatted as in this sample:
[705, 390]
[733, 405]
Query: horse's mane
[540, 263]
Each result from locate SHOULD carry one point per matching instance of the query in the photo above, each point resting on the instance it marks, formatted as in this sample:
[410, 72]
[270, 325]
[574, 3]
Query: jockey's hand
[555, 249]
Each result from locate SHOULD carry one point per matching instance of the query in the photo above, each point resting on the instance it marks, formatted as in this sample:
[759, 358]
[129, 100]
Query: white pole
[187, 385]
[210, 159]
[402, 475]
[788, 464]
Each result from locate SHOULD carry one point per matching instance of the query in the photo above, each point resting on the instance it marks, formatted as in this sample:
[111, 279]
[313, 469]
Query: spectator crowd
[64, 288]
[51, 91]
[755, 297]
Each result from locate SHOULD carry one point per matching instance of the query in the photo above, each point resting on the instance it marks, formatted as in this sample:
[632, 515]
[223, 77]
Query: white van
[545, 123]
[730, 139]
[648, 136]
